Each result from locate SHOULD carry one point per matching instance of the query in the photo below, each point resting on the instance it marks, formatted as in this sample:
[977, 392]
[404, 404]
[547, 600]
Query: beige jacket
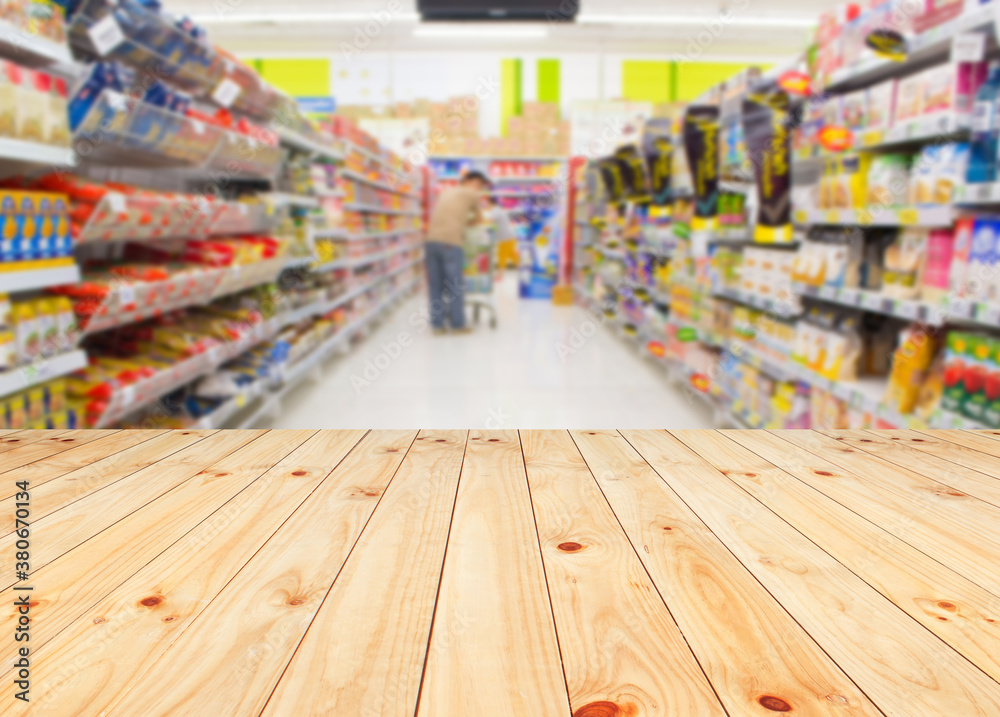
[456, 209]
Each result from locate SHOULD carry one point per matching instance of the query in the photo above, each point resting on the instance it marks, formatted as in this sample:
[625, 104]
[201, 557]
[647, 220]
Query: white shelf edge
[25, 377]
[32, 279]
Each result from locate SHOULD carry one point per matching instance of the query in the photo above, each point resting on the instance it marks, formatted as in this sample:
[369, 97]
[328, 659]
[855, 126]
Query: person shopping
[455, 211]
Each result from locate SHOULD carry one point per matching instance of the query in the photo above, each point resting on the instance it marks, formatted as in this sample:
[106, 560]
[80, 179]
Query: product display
[155, 299]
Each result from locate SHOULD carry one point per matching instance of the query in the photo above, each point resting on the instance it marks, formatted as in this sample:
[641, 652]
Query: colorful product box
[982, 258]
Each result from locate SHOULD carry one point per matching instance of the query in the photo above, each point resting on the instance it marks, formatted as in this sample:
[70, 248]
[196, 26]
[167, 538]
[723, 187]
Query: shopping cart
[480, 268]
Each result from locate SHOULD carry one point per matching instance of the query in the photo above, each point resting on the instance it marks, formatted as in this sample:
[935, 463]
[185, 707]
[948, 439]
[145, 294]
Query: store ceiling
[746, 31]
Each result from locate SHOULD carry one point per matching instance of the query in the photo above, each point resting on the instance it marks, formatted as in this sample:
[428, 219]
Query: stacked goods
[34, 329]
[34, 230]
[41, 18]
[45, 406]
[33, 105]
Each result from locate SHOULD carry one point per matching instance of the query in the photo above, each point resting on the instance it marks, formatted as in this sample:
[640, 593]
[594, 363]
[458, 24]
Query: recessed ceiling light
[732, 19]
[462, 31]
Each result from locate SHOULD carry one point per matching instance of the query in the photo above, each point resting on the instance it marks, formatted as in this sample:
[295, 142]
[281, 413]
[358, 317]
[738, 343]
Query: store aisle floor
[543, 367]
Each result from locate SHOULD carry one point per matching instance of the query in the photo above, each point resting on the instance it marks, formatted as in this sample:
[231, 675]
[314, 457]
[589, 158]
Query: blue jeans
[446, 283]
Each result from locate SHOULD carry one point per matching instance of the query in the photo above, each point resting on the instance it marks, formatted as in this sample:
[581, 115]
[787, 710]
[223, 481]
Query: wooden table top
[453, 573]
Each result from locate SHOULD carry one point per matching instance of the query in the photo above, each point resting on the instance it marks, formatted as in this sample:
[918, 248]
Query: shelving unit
[43, 370]
[15, 278]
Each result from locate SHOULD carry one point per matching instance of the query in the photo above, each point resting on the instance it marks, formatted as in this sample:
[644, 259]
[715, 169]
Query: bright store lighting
[460, 32]
[733, 19]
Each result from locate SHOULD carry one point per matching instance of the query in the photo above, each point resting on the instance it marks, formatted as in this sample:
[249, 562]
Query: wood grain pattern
[754, 654]
[620, 645]
[382, 603]
[955, 609]
[493, 649]
[274, 573]
[61, 480]
[948, 525]
[851, 621]
[74, 581]
[21, 450]
[258, 619]
[945, 462]
[98, 657]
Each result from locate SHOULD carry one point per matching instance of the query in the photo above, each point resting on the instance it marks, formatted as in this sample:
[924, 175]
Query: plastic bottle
[983, 147]
[26, 333]
[45, 316]
[65, 322]
[8, 351]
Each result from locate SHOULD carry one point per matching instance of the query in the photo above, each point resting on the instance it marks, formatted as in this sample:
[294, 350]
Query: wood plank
[65, 529]
[955, 609]
[87, 666]
[21, 449]
[987, 442]
[96, 445]
[938, 460]
[20, 439]
[493, 649]
[903, 668]
[74, 581]
[246, 636]
[60, 480]
[953, 528]
[364, 653]
[755, 655]
[622, 651]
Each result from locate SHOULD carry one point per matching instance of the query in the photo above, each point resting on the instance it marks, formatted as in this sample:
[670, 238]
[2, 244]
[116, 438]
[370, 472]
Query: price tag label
[215, 354]
[801, 216]
[116, 202]
[226, 92]
[847, 296]
[907, 309]
[241, 400]
[128, 395]
[106, 34]
[126, 294]
[968, 47]
[197, 126]
[872, 137]
[909, 216]
[833, 217]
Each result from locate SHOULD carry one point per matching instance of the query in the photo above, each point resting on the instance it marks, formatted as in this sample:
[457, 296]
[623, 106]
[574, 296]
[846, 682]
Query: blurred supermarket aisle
[543, 367]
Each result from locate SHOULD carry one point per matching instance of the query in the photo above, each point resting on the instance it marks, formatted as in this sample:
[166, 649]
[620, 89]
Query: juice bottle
[983, 148]
[8, 351]
[47, 329]
[65, 322]
[26, 333]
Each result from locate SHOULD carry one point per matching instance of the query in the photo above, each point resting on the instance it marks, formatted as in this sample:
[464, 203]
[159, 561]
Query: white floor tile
[525, 374]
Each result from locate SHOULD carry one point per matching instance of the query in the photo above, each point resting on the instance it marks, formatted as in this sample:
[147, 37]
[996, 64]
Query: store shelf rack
[355, 262]
[31, 50]
[378, 209]
[942, 216]
[103, 29]
[126, 132]
[42, 370]
[18, 155]
[384, 186]
[271, 400]
[31, 277]
[318, 147]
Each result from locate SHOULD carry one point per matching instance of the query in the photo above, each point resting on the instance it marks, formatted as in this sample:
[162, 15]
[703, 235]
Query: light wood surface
[571, 574]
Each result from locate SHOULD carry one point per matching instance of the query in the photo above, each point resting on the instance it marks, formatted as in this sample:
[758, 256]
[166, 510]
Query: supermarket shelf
[925, 49]
[955, 310]
[193, 64]
[524, 180]
[297, 262]
[305, 366]
[325, 307]
[32, 279]
[782, 370]
[780, 309]
[978, 193]
[354, 263]
[923, 129]
[380, 235]
[137, 396]
[224, 413]
[487, 158]
[41, 371]
[123, 131]
[331, 233]
[384, 186]
[30, 50]
[369, 155]
[617, 254]
[300, 142]
[23, 154]
[376, 209]
[942, 216]
[282, 199]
